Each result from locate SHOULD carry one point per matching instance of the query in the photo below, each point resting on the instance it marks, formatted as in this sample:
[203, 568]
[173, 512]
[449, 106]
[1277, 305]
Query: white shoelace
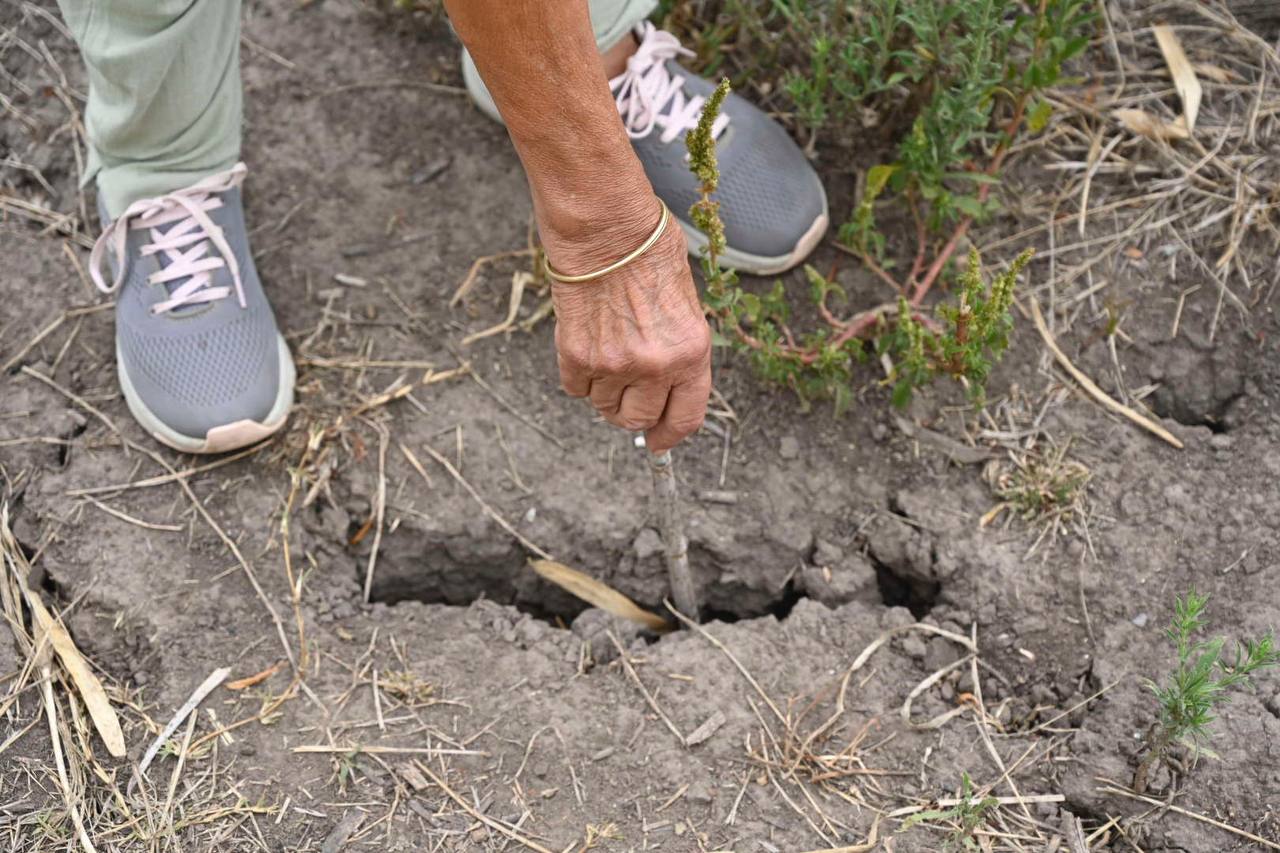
[644, 91]
[186, 245]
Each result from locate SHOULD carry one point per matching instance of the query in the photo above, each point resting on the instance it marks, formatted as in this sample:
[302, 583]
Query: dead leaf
[361, 533]
[597, 593]
[1215, 73]
[258, 678]
[45, 626]
[1184, 78]
[1145, 124]
[413, 776]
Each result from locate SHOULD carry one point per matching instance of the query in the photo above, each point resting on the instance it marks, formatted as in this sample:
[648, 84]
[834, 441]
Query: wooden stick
[684, 592]
[375, 749]
[1092, 389]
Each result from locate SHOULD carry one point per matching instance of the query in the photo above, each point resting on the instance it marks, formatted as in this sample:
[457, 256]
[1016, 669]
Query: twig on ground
[487, 821]
[519, 280]
[540, 430]
[162, 479]
[1092, 389]
[648, 697]
[148, 525]
[380, 509]
[1113, 788]
[478, 264]
[488, 510]
[206, 687]
[737, 663]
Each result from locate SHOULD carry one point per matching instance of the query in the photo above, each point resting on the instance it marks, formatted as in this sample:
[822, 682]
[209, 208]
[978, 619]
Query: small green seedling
[1043, 487]
[966, 816]
[1200, 683]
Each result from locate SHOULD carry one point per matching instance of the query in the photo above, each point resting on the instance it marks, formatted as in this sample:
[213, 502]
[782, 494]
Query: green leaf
[928, 814]
[902, 393]
[1039, 115]
[877, 178]
[976, 177]
[970, 206]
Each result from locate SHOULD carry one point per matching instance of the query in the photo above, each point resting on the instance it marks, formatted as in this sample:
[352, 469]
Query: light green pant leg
[164, 92]
[611, 20]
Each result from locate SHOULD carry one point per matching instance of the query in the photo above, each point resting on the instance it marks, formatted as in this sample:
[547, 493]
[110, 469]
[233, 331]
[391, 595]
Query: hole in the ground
[64, 450]
[1168, 403]
[897, 590]
[780, 608]
[459, 576]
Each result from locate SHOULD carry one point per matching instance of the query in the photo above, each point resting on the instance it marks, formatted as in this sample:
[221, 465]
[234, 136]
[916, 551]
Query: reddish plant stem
[860, 323]
[870, 264]
[832, 320]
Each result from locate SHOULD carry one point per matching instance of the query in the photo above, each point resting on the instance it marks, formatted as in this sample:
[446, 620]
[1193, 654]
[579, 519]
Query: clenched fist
[636, 341]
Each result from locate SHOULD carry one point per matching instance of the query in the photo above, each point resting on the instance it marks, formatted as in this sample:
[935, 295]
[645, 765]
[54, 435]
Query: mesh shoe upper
[209, 360]
[770, 195]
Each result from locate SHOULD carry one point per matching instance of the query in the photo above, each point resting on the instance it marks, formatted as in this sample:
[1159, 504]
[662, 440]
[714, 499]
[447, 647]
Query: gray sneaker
[201, 363]
[772, 201]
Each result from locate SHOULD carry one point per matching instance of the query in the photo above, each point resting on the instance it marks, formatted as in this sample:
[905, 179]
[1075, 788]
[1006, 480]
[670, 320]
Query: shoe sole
[746, 262]
[219, 439]
[732, 258]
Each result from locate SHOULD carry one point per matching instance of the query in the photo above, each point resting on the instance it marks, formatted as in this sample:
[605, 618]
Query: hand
[636, 342]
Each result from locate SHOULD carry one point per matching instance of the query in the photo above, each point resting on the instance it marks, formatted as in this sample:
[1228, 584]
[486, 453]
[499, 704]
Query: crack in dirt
[64, 449]
[445, 577]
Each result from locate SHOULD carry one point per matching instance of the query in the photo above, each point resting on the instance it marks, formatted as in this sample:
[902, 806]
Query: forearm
[541, 64]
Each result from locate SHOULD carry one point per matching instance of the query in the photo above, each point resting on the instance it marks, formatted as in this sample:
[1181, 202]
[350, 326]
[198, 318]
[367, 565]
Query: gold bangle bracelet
[616, 265]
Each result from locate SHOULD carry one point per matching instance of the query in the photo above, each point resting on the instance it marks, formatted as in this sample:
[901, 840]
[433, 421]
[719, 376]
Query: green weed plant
[1201, 682]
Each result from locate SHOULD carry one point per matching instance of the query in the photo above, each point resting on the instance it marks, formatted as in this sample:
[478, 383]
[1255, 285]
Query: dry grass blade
[1226, 827]
[1092, 389]
[489, 511]
[45, 625]
[206, 687]
[1152, 127]
[1184, 77]
[487, 821]
[519, 280]
[50, 707]
[597, 593]
[648, 697]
